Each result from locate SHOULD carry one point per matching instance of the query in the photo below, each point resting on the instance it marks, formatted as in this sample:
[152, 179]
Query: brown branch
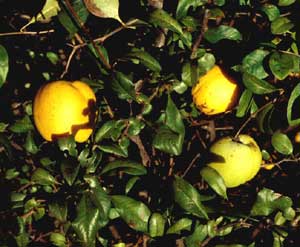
[86, 31]
[190, 165]
[75, 48]
[143, 153]
[253, 115]
[201, 35]
[27, 33]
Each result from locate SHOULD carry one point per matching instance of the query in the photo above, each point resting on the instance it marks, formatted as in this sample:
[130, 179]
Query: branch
[86, 31]
[253, 115]
[200, 37]
[27, 33]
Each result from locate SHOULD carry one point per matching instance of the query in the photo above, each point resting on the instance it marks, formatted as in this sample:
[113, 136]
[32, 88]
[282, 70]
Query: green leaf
[214, 35]
[99, 198]
[196, 238]
[110, 129]
[115, 149]
[66, 21]
[11, 173]
[50, 9]
[253, 63]
[285, 2]
[162, 19]
[30, 145]
[90, 161]
[123, 86]
[215, 181]
[264, 119]
[156, 225]
[86, 224]
[104, 8]
[80, 9]
[168, 141]
[184, 5]
[4, 65]
[42, 177]
[205, 63]
[244, 103]
[127, 166]
[188, 198]
[22, 239]
[22, 126]
[146, 59]
[282, 143]
[58, 239]
[282, 64]
[180, 225]
[68, 144]
[131, 182]
[59, 211]
[291, 104]
[281, 25]
[256, 85]
[136, 214]
[135, 126]
[69, 169]
[189, 74]
[173, 117]
[271, 11]
[268, 201]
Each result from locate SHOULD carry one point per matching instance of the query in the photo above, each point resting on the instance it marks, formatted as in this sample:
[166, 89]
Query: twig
[143, 153]
[190, 165]
[290, 53]
[27, 33]
[106, 36]
[75, 48]
[97, 40]
[200, 37]
[253, 115]
[86, 31]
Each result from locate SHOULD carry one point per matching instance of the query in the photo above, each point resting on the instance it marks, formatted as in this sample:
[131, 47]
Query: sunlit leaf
[215, 181]
[271, 11]
[281, 25]
[285, 2]
[253, 63]
[244, 103]
[282, 64]
[184, 5]
[123, 86]
[4, 65]
[180, 225]
[104, 8]
[162, 19]
[268, 201]
[156, 225]
[256, 85]
[50, 9]
[136, 214]
[42, 177]
[282, 143]
[214, 35]
[127, 166]
[196, 238]
[292, 103]
[188, 198]
[146, 59]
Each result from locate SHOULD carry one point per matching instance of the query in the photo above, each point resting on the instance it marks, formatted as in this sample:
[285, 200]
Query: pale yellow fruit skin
[237, 162]
[63, 108]
[215, 92]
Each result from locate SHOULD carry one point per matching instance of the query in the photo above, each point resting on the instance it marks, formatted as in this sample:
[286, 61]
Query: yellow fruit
[215, 92]
[237, 161]
[63, 108]
[297, 137]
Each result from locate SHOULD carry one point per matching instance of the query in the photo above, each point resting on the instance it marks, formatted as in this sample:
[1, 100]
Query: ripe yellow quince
[63, 108]
[215, 92]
